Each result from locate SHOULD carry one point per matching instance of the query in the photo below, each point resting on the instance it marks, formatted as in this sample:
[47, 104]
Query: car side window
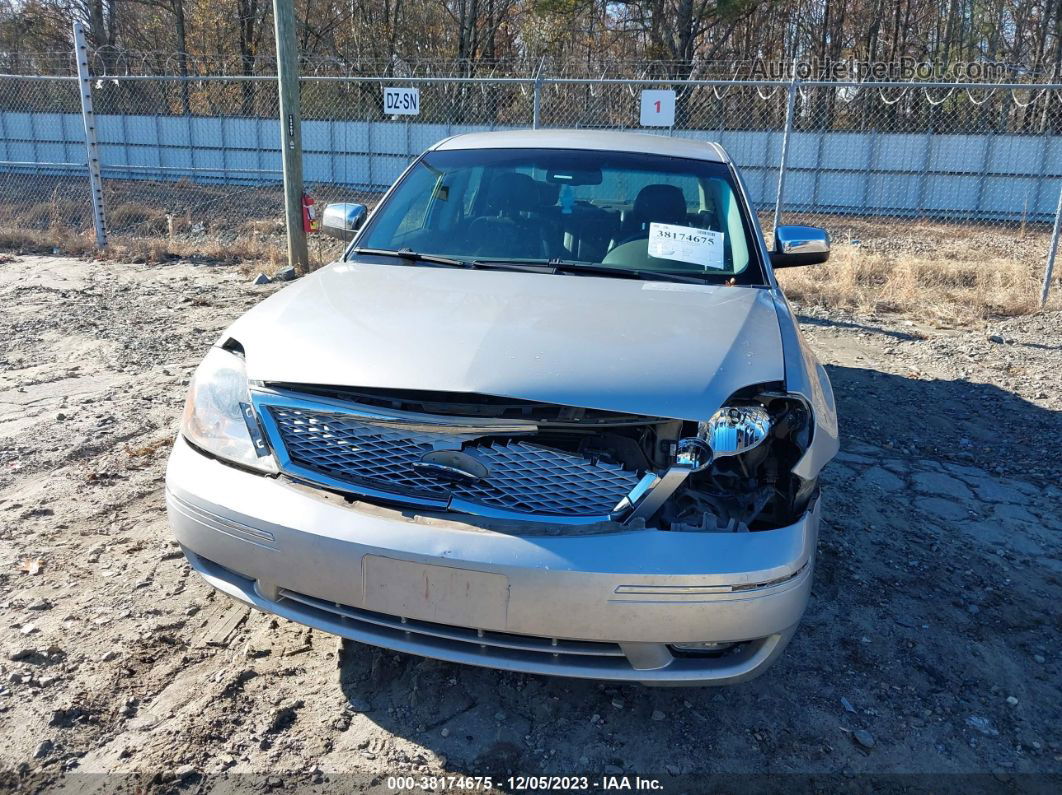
[407, 213]
[416, 215]
[471, 194]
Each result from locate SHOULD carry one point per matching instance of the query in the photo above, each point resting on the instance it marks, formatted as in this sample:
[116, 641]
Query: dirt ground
[931, 645]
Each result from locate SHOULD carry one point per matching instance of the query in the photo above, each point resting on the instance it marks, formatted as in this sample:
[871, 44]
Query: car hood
[654, 348]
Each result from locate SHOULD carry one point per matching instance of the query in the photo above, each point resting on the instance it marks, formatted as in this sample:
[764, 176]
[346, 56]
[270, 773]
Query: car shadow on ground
[968, 423]
[934, 603]
[823, 322]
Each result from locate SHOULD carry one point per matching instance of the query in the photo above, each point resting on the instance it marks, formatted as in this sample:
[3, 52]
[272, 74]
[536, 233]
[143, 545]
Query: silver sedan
[549, 413]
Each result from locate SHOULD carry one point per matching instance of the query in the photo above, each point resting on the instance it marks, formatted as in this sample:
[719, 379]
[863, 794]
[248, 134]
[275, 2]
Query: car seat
[507, 229]
[662, 204]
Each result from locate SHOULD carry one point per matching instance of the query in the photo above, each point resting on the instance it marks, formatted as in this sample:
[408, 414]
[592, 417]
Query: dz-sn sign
[401, 101]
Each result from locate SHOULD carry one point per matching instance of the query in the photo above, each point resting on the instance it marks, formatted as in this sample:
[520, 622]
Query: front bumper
[594, 606]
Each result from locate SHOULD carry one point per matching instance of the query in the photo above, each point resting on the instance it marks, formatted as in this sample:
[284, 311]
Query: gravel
[946, 496]
[864, 738]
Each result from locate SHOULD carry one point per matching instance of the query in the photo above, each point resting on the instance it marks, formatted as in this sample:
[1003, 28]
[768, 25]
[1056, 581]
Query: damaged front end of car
[741, 464]
[537, 467]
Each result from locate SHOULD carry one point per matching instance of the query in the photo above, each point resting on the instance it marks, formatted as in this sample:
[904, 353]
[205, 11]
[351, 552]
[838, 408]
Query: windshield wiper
[569, 266]
[564, 266]
[414, 256]
[537, 265]
[410, 255]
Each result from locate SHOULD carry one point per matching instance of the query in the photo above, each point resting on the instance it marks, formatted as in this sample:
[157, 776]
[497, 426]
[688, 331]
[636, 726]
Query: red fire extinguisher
[309, 214]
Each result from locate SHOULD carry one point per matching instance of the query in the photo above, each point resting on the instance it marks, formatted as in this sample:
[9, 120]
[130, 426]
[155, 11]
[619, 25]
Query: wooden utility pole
[290, 131]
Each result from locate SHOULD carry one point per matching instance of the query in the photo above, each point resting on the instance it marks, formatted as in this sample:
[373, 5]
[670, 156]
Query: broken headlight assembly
[733, 472]
[735, 429]
[730, 431]
[218, 417]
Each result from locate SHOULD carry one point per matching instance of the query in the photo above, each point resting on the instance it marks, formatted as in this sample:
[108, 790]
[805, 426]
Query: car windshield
[624, 211]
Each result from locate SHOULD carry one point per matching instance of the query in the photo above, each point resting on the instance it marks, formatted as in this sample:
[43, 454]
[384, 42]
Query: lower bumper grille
[383, 457]
[428, 632]
[506, 651]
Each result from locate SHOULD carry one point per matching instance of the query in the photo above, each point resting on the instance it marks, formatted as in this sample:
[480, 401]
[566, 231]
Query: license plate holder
[441, 594]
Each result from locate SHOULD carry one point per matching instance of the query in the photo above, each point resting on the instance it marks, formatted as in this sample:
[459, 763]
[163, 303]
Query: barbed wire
[116, 61]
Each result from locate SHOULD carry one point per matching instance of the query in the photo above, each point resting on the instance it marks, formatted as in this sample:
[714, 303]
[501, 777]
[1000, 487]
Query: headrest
[664, 204]
[511, 192]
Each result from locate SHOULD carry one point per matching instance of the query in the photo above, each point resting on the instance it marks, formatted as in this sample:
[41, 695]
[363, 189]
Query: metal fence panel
[988, 175]
[198, 159]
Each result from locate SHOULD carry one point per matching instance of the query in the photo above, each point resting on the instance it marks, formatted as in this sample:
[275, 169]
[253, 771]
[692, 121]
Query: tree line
[1016, 39]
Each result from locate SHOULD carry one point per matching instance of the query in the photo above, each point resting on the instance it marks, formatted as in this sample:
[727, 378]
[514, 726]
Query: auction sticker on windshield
[687, 244]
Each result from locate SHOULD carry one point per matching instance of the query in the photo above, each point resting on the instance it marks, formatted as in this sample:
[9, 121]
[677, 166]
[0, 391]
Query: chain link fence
[44, 190]
[965, 176]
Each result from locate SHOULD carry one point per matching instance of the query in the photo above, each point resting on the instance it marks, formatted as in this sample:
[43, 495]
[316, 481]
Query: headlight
[218, 416]
[735, 429]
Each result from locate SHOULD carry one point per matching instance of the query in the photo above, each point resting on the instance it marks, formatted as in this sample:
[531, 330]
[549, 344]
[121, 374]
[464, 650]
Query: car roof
[599, 140]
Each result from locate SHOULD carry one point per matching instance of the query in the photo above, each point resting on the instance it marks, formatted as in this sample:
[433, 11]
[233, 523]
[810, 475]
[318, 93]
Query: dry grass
[152, 222]
[943, 273]
[139, 218]
[258, 254]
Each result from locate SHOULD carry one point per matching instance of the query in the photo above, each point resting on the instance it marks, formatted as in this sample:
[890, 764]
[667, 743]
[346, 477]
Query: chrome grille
[359, 452]
[524, 478]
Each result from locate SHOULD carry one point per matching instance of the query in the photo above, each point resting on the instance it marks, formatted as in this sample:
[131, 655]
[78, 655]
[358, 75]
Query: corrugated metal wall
[970, 177]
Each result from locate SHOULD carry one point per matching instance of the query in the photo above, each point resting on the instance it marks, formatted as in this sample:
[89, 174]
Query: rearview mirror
[800, 245]
[574, 176]
[343, 219]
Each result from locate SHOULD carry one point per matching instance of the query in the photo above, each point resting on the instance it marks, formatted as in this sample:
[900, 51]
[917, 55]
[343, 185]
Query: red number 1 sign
[658, 108]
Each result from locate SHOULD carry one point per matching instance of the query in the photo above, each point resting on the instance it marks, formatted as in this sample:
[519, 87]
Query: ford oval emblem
[451, 465]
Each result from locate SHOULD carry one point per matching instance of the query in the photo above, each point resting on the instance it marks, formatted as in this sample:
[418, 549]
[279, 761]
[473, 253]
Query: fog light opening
[705, 649]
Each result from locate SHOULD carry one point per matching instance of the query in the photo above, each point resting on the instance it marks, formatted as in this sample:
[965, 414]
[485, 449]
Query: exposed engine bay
[753, 490]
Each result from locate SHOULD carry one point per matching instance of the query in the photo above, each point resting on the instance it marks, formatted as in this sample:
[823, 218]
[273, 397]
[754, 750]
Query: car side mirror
[343, 219]
[800, 245]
